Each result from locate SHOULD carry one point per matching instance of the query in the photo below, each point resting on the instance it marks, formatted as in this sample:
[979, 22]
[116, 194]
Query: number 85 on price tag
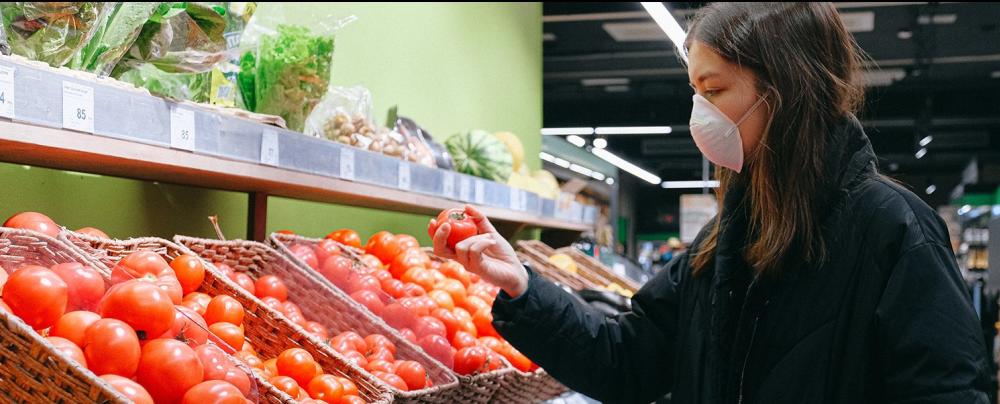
[78, 107]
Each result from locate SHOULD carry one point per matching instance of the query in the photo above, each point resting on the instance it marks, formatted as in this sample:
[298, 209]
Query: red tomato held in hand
[33, 221]
[36, 295]
[327, 248]
[346, 237]
[438, 348]
[93, 232]
[285, 384]
[462, 226]
[297, 364]
[128, 388]
[224, 308]
[326, 388]
[111, 347]
[471, 360]
[167, 369]
[148, 264]
[213, 392]
[190, 272]
[85, 285]
[306, 254]
[413, 374]
[140, 304]
[73, 326]
[230, 336]
[69, 349]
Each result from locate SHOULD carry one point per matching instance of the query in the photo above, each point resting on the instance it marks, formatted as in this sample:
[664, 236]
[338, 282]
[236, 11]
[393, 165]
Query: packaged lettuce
[113, 37]
[51, 32]
[287, 69]
[182, 86]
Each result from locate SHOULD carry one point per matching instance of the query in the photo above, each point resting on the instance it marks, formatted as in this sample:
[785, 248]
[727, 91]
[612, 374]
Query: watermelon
[481, 154]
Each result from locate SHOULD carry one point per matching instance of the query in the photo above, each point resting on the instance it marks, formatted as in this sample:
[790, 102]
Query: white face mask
[716, 135]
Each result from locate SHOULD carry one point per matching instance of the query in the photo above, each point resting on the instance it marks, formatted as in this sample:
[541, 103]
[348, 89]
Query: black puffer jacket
[885, 319]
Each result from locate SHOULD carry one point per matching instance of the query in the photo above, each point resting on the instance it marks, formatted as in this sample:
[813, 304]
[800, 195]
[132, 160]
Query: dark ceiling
[940, 66]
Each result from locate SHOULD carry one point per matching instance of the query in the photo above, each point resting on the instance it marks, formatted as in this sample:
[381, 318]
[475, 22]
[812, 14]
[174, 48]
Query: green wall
[449, 66]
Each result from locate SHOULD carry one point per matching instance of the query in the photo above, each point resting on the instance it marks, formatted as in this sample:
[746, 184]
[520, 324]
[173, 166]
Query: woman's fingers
[469, 251]
[481, 221]
[441, 241]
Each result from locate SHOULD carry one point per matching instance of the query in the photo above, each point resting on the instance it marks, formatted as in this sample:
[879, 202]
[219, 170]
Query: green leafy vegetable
[113, 38]
[51, 32]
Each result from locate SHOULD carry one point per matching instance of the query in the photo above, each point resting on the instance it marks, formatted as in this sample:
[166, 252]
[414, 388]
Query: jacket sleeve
[930, 345]
[627, 358]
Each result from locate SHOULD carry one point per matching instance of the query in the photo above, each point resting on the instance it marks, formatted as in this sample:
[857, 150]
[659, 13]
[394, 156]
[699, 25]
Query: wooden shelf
[69, 150]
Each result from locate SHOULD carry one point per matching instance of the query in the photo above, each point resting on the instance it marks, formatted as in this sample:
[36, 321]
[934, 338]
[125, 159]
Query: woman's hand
[486, 254]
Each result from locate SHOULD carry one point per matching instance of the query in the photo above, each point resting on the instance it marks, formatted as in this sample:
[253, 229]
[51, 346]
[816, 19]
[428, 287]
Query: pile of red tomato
[436, 304]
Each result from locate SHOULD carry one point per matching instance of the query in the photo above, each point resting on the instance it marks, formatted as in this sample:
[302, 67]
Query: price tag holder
[448, 185]
[269, 152]
[515, 199]
[465, 190]
[182, 131]
[78, 107]
[7, 92]
[347, 163]
[404, 176]
[480, 192]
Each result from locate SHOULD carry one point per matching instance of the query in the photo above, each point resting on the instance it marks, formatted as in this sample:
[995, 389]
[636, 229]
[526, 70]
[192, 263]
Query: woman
[820, 281]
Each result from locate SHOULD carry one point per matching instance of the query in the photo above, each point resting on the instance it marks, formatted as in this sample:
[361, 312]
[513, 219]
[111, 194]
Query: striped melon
[479, 153]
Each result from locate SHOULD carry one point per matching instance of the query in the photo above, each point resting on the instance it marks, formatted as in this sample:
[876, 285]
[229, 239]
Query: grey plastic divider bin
[37, 98]
[497, 195]
[308, 154]
[148, 121]
[548, 207]
[372, 168]
[426, 180]
[112, 112]
[533, 203]
[239, 139]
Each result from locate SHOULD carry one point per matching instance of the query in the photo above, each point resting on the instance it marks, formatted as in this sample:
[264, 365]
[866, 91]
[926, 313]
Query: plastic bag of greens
[4, 47]
[179, 37]
[286, 70]
[113, 37]
[223, 83]
[182, 86]
[51, 32]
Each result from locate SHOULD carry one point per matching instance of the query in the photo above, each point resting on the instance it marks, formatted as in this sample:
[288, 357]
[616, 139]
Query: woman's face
[730, 88]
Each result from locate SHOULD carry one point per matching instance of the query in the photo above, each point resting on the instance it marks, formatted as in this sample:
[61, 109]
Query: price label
[182, 133]
[269, 148]
[515, 199]
[465, 190]
[7, 92]
[448, 185]
[480, 192]
[347, 163]
[78, 107]
[404, 176]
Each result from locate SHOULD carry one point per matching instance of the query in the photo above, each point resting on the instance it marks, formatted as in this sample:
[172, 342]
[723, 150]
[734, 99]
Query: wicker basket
[328, 306]
[537, 253]
[533, 387]
[267, 330]
[31, 369]
[478, 388]
[590, 264]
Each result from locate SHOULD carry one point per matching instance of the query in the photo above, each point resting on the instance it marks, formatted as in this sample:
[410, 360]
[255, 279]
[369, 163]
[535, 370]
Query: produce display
[481, 154]
[435, 303]
[51, 32]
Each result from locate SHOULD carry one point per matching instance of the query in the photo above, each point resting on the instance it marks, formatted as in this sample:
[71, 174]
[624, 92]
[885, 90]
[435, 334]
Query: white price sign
[182, 132]
[78, 107]
[480, 192]
[404, 176]
[465, 190]
[448, 185]
[515, 199]
[347, 163]
[269, 148]
[7, 92]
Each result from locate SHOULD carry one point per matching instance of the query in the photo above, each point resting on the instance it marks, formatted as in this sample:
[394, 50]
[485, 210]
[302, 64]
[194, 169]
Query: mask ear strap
[750, 111]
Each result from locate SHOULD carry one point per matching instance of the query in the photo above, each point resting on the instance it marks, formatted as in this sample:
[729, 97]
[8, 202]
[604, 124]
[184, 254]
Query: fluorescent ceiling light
[600, 143]
[920, 154]
[580, 169]
[616, 89]
[625, 165]
[561, 162]
[633, 130]
[576, 140]
[668, 24]
[689, 184]
[926, 141]
[610, 181]
[964, 209]
[597, 176]
[567, 131]
[605, 82]
[548, 37]
[931, 189]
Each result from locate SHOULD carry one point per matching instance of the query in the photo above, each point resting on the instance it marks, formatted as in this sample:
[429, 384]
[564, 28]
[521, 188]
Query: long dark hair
[808, 67]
